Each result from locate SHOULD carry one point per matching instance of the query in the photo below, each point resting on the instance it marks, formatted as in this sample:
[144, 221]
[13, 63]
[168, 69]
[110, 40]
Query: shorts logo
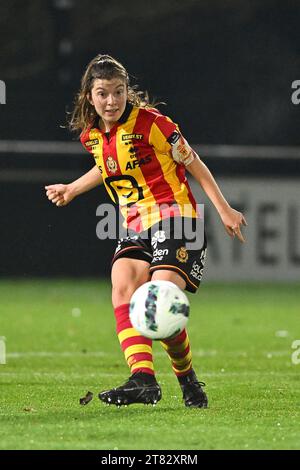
[158, 237]
[118, 248]
[197, 269]
[127, 240]
[159, 254]
[182, 255]
[111, 164]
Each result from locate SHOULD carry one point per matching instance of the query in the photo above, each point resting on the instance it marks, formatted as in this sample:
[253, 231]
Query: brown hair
[104, 67]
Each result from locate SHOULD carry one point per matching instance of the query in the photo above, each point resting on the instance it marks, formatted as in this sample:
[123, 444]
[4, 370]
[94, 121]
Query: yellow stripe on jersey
[148, 200]
[138, 170]
[169, 167]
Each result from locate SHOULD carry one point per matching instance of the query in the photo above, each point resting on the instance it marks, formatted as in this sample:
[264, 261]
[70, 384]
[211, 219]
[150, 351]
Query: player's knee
[167, 275]
[125, 282]
[121, 293]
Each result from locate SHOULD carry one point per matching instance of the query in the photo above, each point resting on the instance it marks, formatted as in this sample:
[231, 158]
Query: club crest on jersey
[111, 165]
[182, 254]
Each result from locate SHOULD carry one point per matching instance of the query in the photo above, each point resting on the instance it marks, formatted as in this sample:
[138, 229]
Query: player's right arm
[62, 194]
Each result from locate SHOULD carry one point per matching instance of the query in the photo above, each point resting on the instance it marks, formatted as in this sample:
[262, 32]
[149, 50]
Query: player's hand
[59, 194]
[232, 221]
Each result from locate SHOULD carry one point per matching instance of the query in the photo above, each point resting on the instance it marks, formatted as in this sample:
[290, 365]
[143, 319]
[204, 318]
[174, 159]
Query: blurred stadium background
[225, 70]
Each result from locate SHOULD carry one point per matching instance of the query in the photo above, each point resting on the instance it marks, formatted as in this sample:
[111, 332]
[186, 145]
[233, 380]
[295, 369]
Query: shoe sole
[115, 399]
[200, 405]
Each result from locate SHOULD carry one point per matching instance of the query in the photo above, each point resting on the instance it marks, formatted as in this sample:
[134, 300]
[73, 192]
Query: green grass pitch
[61, 342]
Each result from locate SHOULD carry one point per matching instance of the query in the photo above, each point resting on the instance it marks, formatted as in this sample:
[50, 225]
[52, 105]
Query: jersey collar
[122, 119]
[126, 113]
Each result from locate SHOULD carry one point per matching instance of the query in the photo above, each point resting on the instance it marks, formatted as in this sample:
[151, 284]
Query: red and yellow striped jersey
[138, 169]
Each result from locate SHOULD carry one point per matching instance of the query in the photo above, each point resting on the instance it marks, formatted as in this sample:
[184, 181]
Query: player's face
[109, 98]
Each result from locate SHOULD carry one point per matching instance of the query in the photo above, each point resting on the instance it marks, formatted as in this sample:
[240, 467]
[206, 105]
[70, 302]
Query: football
[159, 310]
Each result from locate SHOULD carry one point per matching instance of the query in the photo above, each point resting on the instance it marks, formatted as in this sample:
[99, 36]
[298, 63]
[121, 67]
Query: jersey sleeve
[161, 130]
[166, 138]
[85, 141]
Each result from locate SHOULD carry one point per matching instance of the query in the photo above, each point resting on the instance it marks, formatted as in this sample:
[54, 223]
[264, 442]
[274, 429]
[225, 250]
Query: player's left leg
[179, 352]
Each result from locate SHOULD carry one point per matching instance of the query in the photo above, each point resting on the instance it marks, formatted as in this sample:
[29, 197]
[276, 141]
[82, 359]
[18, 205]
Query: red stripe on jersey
[180, 172]
[166, 127]
[169, 211]
[165, 194]
[109, 149]
[134, 219]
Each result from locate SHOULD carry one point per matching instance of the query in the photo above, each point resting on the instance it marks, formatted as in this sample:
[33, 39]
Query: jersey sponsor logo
[92, 142]
[125, 189]
[158, 237]
[182, 254]
[132, 136]
[137, 163]
[133, 151]
[111, 165]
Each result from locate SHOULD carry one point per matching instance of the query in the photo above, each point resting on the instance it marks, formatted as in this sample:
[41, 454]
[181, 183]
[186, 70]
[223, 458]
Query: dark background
[224, 68]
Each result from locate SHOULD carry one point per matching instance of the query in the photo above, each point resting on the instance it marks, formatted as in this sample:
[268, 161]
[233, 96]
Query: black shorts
[162, 249]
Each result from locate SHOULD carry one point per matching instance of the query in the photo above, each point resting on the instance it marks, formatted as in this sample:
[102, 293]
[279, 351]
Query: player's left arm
[231, 218]
[165, 136]
[183, 154]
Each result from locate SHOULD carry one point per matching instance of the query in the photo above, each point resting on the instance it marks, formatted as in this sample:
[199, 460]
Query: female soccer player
[141, 158]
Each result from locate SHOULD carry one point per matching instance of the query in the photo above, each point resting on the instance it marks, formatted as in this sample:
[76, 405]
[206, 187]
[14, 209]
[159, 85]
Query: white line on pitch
[98, 375]
[198, 353]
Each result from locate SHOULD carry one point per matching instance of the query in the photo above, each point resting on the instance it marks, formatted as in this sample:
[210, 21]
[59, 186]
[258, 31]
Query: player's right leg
[127, 275]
